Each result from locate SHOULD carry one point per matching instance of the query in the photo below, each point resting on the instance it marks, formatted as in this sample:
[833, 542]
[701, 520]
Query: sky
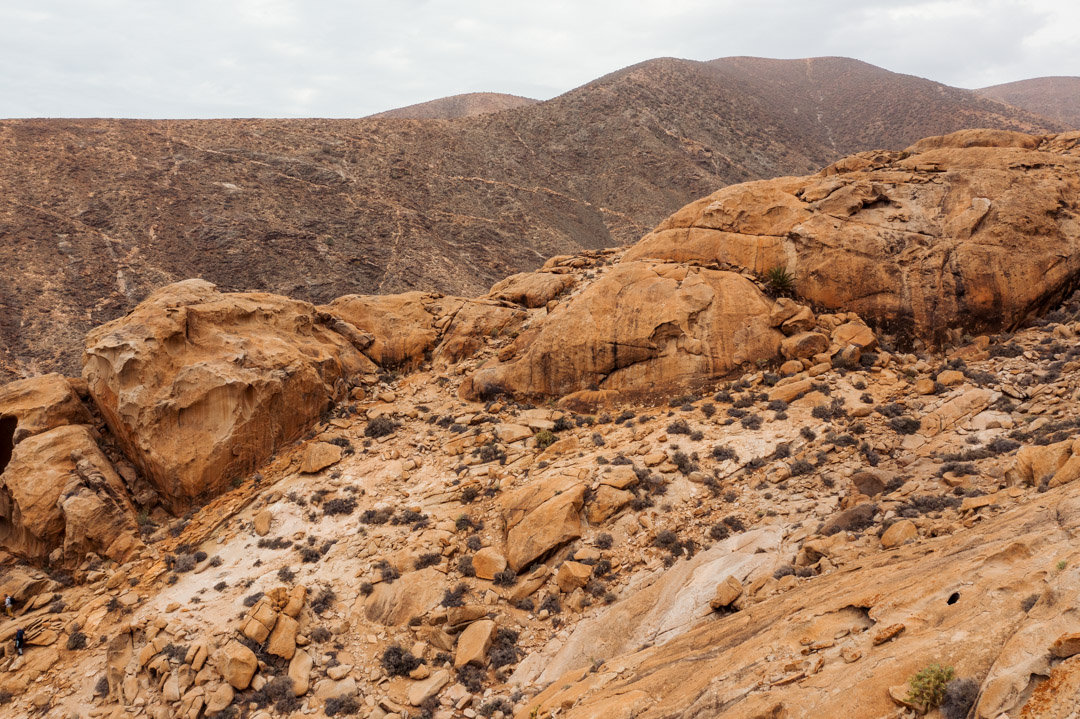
[320, 58]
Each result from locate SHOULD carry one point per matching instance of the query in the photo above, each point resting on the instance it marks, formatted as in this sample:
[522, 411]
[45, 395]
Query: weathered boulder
[318, 456]
[200, 387]
[972, 230]
[642, 325]
[899, 533]
[727, 591]
[300, 672]
[488, 562]
[1049, 465]
[572, 575]
[474, 643]
[237, 664]
[404, 326]
[396, 603]
[35, 405]
[60, 491]
[474, 323]
[541, 516]
[531, 289]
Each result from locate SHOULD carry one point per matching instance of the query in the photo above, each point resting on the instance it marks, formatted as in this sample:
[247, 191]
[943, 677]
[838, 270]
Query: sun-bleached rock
[201, 386]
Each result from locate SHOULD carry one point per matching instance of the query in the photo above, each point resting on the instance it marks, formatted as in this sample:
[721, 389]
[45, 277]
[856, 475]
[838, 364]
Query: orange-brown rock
[200, 386]
[475, 322]
[642, 325]
[541, 516]
[971, 230]
[60, 492]
[38, 404]
[531, 289]
[404, 326]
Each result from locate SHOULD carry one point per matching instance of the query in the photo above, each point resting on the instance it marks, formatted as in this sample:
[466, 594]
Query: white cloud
[338, 58]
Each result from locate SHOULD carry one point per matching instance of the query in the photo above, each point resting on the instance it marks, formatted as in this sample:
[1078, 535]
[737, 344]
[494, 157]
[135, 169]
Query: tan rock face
[640, 325]
[961, 231]
[201, 386]
[59, 490]
[39, 404]
[859, 614]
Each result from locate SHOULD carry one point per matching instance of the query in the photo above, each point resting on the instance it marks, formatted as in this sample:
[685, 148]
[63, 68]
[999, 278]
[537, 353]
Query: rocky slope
[1057, 98]
[96, 214]
[466, 105]
[773, 511]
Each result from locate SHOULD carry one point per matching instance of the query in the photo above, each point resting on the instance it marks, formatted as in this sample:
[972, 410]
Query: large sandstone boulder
[60, 492]
[641, 326]
[974, 230]
[473, 324]
[201, 387]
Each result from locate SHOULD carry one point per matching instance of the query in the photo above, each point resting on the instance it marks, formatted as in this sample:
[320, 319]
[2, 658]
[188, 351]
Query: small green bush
[927, 688]
[780, 281]
[544, 438]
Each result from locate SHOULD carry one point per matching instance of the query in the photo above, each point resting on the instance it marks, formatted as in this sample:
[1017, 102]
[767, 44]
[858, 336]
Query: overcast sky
[319, 58]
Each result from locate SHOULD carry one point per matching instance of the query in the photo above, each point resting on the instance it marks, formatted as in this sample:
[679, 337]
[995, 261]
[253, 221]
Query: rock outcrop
[977, 230]
[200, 386]
[60, 492]
[60, 496]
[641, 326]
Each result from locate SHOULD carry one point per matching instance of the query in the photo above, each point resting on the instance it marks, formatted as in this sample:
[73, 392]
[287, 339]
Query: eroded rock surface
[200, 386]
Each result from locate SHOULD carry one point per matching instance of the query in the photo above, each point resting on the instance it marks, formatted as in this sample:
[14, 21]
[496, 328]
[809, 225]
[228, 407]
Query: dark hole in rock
[954, 598]
[8, 425]
[7, 439]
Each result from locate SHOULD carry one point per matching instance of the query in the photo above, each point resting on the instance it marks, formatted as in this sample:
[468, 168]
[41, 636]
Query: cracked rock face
[640, 325]
[975, 230]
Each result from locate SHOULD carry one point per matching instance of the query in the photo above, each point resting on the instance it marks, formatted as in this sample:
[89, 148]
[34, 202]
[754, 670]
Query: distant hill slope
[1057, 98]
[448, 108]
[94, 214]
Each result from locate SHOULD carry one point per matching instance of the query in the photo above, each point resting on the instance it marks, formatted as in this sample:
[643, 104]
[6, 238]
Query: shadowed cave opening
[7, 439]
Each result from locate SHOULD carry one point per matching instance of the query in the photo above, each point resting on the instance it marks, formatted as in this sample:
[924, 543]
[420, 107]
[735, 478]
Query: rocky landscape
[805, 441]
[97, 214]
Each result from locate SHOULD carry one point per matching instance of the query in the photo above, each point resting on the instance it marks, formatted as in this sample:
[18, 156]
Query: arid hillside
[94, 214]
[637, 483]
[1057, 98]
[447, 108]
